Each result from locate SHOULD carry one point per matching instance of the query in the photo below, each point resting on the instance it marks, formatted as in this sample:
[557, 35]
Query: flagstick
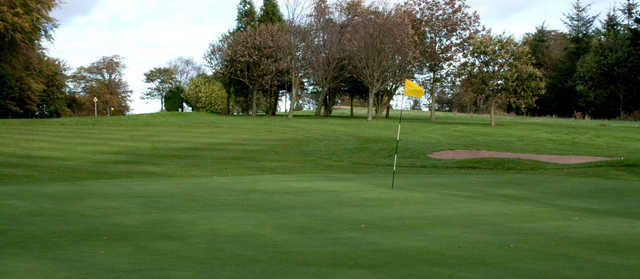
[395, 157]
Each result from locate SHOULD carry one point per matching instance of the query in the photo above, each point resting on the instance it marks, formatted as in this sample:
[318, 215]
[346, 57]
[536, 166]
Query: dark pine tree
[270, 13]
[580, 24]
[246, 17]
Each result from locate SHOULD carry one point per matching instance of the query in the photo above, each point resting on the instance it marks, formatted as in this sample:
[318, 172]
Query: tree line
[322, 54]
[350, 52]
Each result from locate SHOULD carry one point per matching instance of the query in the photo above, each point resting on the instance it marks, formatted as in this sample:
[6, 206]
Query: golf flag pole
[411, 89]
[395, 156]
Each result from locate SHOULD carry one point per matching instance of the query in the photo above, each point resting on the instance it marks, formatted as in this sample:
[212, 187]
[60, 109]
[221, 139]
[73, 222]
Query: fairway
[195, 195]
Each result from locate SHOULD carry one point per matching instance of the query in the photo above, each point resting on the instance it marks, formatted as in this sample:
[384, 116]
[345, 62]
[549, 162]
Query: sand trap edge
[557, 159]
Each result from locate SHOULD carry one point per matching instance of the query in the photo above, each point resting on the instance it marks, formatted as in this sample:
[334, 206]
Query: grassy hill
[202, 196]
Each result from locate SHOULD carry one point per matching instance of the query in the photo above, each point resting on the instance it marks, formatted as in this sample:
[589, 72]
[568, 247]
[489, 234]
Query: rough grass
[204, 196]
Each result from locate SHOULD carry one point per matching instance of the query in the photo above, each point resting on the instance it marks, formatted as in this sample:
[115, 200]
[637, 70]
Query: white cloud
[518, 17]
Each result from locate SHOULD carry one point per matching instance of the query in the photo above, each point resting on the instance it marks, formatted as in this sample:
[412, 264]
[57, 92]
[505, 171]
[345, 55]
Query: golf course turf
[194, 195]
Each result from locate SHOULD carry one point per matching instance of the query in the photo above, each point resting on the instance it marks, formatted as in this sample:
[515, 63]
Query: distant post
[95, 107]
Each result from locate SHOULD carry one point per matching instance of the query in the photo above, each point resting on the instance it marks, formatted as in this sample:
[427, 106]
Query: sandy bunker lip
[558, 159]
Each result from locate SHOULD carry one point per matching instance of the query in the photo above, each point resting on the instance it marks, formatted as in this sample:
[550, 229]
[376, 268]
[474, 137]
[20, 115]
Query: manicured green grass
[202, 196]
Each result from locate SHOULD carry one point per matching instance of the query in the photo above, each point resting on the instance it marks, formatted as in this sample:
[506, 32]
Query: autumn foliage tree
[103, 79]
[24, 25]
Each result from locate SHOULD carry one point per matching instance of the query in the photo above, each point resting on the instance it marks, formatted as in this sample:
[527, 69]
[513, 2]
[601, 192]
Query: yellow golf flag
[412, 89]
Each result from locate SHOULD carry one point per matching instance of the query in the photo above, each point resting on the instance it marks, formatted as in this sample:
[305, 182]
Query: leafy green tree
[270, 13]
[23, 26]
[502, 70]
[246, 17]
[206, 94]
[52, 100]
[162, 79]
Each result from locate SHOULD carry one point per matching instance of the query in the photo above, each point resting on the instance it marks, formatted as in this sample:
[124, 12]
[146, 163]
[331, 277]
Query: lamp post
[95, 107]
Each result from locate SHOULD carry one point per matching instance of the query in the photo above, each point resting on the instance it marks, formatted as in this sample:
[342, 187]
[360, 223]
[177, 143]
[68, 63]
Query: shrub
[204, 93]
[173, 100]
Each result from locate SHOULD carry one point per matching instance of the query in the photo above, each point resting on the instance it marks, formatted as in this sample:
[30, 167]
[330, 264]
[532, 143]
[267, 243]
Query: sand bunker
[558, 159]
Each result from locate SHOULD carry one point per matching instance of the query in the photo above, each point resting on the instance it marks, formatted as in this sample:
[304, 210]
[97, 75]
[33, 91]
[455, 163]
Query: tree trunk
[493, 111]
[379, 109]
[327, 105]
[621, 108]
[432, 92]
[370, 105]
[267, 102]
[294, 89]
[276, 100]
[351, 99]
[320, 102]
[161, 103]
[253, 103]
[388, 110]
[228, 109]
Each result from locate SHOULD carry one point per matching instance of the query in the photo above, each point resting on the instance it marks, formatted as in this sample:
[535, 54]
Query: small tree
[162, 80]
[498, 69]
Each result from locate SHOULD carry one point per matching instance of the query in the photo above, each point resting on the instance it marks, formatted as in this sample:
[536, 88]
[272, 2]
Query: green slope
[203, 196]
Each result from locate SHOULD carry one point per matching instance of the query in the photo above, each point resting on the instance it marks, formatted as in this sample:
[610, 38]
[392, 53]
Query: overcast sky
[149, 33]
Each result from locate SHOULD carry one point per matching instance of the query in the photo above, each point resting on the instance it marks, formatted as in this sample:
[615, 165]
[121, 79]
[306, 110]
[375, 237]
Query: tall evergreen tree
[605, 76]
[246, 17]
[580, 24]
[270, 12]
[629, 11]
